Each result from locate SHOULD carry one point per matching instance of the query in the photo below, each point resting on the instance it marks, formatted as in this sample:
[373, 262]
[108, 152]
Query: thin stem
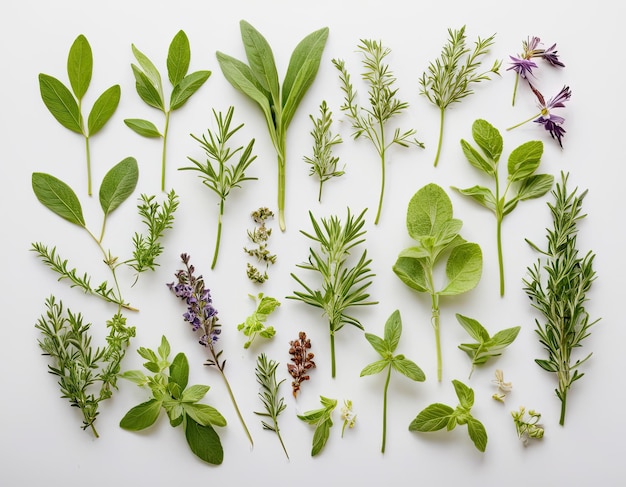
[219, 234]
[382, 450]
[435, 323]
[515, 89]
[563, 407]
[525, 121]
[319, 195]
[282, 159]
[332, 353]
[441, 118]
[500, 260]
[163, 156]
[382, 188]
[88, 152]
[280, 438]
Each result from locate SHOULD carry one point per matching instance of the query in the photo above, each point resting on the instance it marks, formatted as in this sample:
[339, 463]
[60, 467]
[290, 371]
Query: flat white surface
[41, 442]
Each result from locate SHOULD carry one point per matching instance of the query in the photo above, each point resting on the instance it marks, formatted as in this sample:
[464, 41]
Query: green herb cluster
[322, 420]
[254, 325]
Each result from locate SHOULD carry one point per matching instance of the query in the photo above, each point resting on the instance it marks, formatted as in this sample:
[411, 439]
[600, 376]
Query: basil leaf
[178, 58]
[204, 414]
[143, 127]
[118, 184]
[473, 327]
[477, 433]
[408, 368]
[80, 66]
[187, 87]
[524, 160]
[535, 186]
[58, 197]
[60, 102]
[483, 196]
[150, 71]
[411, 272]
[179, 370]
[261, 60]
[195, 393]
[103, 109]
[488, 139]
[303, 66]
[374, 368]
[203, 441]
[503, 338]
[393, 330]
[380, 345]
[432, 418]
[142, 416]
[463, 269]
[464, 393]
[428, 209]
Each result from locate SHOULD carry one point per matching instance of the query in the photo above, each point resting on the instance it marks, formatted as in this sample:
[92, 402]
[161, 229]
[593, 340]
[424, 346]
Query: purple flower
[551, 56]
[523, 67]
[552, 123]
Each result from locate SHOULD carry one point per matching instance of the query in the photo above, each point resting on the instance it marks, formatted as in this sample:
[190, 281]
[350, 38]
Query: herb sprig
[322, 420]
[254, 325]
[302, 361]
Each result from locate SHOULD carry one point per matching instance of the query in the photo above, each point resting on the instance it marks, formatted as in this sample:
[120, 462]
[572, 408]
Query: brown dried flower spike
[302, 360]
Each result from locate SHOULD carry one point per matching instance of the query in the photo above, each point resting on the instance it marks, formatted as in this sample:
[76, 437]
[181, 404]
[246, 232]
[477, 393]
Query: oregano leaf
[141, 416]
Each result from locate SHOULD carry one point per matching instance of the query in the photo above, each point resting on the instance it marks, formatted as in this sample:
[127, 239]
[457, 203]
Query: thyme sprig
[560, 297]
[371, 122]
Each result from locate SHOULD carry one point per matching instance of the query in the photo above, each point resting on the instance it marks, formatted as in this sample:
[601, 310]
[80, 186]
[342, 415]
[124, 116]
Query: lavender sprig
[202, 316]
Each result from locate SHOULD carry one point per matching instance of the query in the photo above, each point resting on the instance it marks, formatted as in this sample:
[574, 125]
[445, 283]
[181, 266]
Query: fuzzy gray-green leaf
[178, 58]
[535, 186]
[80, 66]
[488, 139]
[58, 197]
[428, 209]
[61, 103]
[103, 109]
[463, 269]
[524, 160]
[483, 196]
[118, 184]
[261, 60]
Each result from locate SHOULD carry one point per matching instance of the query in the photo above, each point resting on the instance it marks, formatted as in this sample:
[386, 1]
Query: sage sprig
[222, 178]
[259, 81]
[430, 223]
[322, 420]
[149, 87]
[557, 285]
[449, 77]
[170, 391]
[386, 347]
[67, 106]
[438, 416]
[343, 286]
[521, 180]
[371, 122]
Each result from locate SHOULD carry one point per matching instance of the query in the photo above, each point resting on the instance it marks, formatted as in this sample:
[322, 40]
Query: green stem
[435, 323]
[515, 89]
[525, 121]
[441, 118]
[563, 406]
[332, 353]
[88, 165]
[382, 187]
[93, 429]
[282, 159]
[163, 155]
[382, 449]
[232, 398]
[280, 438]
[500, 260]
[319, 195]
[219, 234]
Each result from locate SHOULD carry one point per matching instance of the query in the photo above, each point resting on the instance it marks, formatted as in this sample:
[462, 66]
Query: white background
[41, 440]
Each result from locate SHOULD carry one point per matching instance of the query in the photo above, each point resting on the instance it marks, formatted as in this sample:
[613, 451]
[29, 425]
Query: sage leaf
[432, 418]
[103, 109]
[203, 441]
[118, 184]
[524, 160]
[153, 77]
[489, 140]
[463, 269]
[204, 414]
[146, 90]
[261, 60]
[179, 370]
[187, 87]
[80, 66]
[58, 197]
[144, 128]
[141, 416]
[60, 102]
[178, 58]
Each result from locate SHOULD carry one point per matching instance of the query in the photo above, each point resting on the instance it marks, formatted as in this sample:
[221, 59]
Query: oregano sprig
[254, 325]
[67, 106]
[449, 77]
[149, 87]
[371, 122]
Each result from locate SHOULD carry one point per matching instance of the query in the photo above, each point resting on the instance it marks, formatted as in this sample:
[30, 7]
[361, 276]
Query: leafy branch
[322, 420]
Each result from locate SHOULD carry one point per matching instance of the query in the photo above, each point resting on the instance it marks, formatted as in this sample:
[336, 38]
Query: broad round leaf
[428, 209]
[58, 197]
[463, 269]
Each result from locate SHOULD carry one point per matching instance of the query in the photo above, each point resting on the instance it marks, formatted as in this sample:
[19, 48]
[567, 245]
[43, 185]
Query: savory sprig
[86, 375]
[323, 163]
[371, 122]
[222, 178]
[273, 403]
[522, 166]
[386, 347]
[150, 89]
[430, 223]
[343, 286]
[66, 106]
[449, 77]
[254, 324]
[438, 416]
[557, 285]
[258, 80]
[322, 420]
[169, 391]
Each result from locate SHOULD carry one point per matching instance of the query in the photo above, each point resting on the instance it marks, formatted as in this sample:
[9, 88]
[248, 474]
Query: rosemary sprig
[561, 296]
[448, 78]
[273, 404]
[342, 286]
[222, 179]
[323, 163]
[371, 122]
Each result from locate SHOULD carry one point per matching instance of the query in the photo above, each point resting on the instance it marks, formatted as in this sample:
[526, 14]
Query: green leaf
[195, 393]
[135, 376]
[179, 370]
[432, 418]
[393, 330]
[477, 433]
[374, 367]
[58, 197]
[204, 414]
[141, 416]
[409, 369]
[143, 127]
[203, 441]
[187, 87]
[524, 160]
[474, 328]
[427, 211]
[80, 66]
[464, 393]
[150, 71]
[303, 66]
[103, 109]
[146, 90]
[380, 345]
[504, 338]
[61, 103]
[477, 160]
[178, 58]
[547, 365]
[535, 186]
[411, 272]
[164, 348]
[481, 195]
[488, 139]
[463, 269]
[266, 305]
[261, 60]
[320, 436]
[118, 184]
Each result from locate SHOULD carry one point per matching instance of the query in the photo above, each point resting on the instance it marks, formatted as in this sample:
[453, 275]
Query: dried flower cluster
[260, 235]
[302, 359]
[503, 387]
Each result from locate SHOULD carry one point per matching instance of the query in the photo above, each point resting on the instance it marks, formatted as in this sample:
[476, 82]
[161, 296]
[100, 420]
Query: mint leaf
[142, 416]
